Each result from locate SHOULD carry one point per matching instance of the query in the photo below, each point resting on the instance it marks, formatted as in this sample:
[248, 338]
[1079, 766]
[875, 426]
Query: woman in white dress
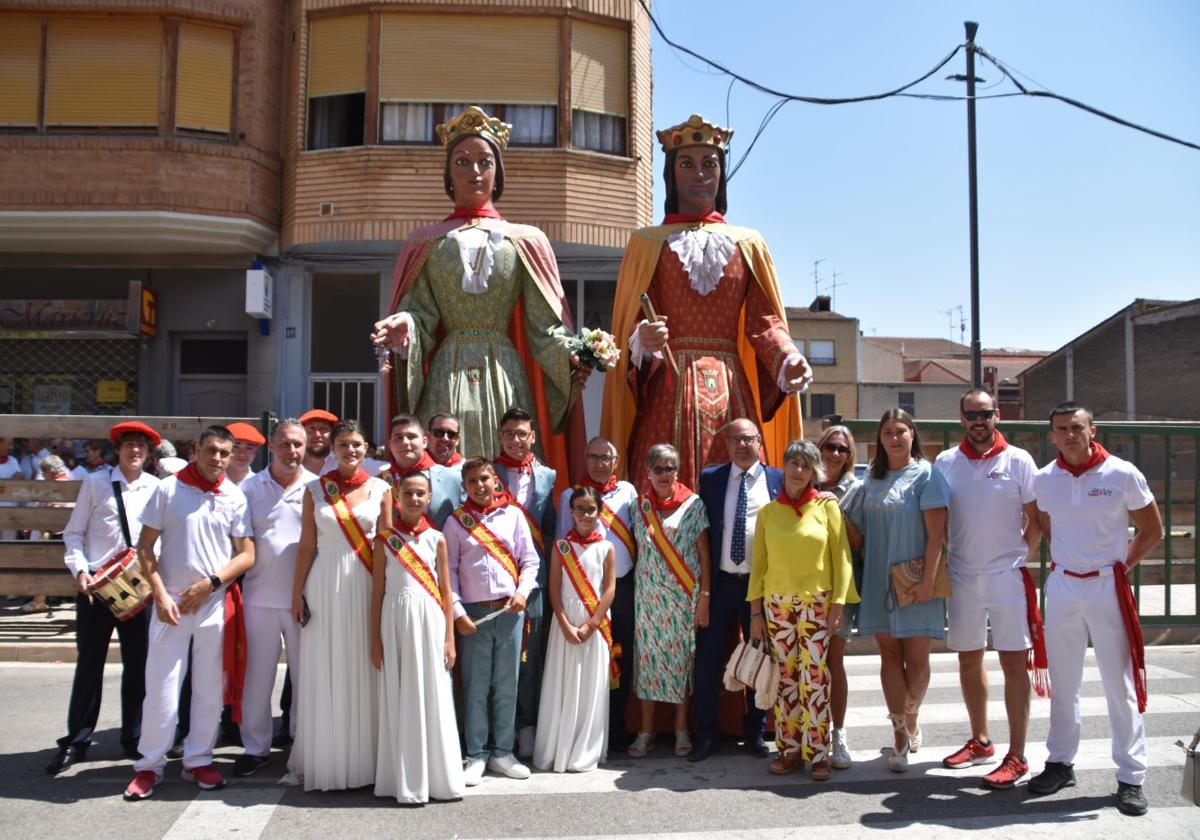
[572, 732]
[338, 725]
[412, 644]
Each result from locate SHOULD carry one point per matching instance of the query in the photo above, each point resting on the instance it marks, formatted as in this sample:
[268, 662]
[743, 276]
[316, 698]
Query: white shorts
[997, 599]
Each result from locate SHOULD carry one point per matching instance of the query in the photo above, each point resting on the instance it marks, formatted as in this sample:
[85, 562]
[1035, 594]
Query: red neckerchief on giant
[574, 536]
[807, 496]
[998, 446]
[602, 489]
[679, 494]
[485, 211]
[502, 499]
[524, 466]
[681, 219]
[345, 485]
[1099, 453]
[454, 459]
[423, 524]
[191, 475]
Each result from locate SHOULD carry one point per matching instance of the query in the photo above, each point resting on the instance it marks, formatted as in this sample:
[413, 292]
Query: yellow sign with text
[110, 391]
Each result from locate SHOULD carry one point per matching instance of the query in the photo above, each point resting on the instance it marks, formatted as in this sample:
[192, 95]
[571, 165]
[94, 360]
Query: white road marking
[241, 811]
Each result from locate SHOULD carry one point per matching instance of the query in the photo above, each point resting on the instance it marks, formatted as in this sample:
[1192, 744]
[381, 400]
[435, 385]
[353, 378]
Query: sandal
[914, 738]
[821, 770]
[786, 762]
[683, 743]
[897, 762]
[642, 744]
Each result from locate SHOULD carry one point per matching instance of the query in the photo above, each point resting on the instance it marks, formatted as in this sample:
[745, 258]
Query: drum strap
[121, 512]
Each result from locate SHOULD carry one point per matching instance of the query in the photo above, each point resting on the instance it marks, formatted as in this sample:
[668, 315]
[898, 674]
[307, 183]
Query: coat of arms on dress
[710, 378]
[474, 374]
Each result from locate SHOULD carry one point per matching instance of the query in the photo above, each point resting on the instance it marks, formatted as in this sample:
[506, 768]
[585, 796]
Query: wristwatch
[215, 580]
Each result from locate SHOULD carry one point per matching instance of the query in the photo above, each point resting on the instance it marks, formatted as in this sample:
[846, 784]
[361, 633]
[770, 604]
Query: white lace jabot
[704, 255]
[477, 248]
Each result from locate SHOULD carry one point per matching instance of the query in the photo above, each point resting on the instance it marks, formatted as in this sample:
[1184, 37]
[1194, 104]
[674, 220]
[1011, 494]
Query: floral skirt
[799, 631]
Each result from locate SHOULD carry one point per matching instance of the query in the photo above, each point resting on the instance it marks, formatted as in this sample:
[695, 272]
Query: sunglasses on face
[444, 433]
[664, 470]
[836, 448]
[982, 414]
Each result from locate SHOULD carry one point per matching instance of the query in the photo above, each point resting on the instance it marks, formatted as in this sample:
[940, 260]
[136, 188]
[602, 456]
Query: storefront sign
[51, 398]
[258, 293]
[148, 313]
[110, 391]
[62, 315]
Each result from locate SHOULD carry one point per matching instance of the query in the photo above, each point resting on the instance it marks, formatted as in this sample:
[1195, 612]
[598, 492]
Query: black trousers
[727, 610]
[94, 625]
[621, 615]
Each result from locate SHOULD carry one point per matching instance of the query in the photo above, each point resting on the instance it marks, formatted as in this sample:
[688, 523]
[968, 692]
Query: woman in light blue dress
[901, 513]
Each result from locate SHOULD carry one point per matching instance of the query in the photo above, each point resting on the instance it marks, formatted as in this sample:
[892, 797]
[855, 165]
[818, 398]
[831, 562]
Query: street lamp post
[973, 208]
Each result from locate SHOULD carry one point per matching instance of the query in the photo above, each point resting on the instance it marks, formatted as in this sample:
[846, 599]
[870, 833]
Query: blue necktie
[737, 545]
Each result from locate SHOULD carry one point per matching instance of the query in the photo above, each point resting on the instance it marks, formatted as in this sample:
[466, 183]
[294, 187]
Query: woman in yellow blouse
[800, 580]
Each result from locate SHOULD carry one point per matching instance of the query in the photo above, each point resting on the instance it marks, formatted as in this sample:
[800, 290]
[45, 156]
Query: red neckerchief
[423, 524]
[455, 458]
[191, 475]
[62, 476]
[1099, 453]
[485, 211]
[807, 496]
[998, 446]
[423, 463]
[681, 219]
[574, 536]
[602, 489]
[525, 466]
[345, 485]
[4, 459]
[679, 494]
[502, 499]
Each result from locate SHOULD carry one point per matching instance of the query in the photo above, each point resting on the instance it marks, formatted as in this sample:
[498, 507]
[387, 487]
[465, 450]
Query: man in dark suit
[733, 493]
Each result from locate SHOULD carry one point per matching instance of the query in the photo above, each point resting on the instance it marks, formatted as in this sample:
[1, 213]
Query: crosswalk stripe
[1039, 709]
[868, 663]
[242, 812]
[949, 679]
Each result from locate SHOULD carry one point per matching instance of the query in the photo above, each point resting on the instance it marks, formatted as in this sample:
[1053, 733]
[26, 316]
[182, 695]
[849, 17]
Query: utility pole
[816, 279]
[973, 208]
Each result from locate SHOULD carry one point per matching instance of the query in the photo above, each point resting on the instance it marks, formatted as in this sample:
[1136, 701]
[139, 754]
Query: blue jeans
[489, 660]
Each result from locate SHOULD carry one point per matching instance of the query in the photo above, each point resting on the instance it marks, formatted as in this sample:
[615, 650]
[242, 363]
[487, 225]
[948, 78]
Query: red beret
[318, 414]
[247, 433]
[134, 426]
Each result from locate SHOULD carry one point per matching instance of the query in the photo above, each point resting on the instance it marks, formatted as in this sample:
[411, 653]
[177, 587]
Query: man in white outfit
[207, 543]
[993, 531]
[276, 498]
[1086, 499]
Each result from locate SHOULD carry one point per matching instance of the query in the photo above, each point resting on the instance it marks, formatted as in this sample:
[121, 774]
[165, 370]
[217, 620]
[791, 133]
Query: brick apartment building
[830, 341]
[153, 152]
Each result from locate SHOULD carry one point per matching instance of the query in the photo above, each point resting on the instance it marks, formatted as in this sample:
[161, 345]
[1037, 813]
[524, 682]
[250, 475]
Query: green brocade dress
[475, 371]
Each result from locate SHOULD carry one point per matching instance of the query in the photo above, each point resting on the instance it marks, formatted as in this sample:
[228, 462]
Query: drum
[121, 586]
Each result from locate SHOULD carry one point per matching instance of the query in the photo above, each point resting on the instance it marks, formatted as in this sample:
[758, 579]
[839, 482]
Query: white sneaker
[507, 765]
[472, 771]
[525, 739]
[839, 753]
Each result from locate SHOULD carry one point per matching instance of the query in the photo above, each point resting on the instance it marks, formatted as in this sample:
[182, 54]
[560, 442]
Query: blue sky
[1078, 216]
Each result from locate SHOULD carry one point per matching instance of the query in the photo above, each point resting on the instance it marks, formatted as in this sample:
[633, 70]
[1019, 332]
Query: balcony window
[337, 81]
[908, 402]
[823, 405]
[204, 80]
[820, 352]
[103, 73]
[533, 125]
[407, 122]
[599, 87]
[598, 132]
[335, 121]
[20, 58]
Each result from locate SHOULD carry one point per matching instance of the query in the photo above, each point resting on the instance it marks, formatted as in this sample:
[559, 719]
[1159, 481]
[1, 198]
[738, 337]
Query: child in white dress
[572, 732]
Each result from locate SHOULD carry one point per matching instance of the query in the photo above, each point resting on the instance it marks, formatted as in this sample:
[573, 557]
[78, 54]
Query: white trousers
[1075, 609]
[266, 628]
[166, 663]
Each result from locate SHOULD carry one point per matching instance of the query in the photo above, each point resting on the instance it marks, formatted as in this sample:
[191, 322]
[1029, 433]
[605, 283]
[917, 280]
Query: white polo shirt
[275, 513]
[196, 530]
[1089, 515]
[93, 533]
[986, 500]
[621, 499]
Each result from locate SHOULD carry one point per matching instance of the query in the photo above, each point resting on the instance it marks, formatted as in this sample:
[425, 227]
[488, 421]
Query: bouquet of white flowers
[596, 349]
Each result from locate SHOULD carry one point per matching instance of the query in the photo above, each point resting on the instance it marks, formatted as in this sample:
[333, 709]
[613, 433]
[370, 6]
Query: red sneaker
[206, 778]
[1010, 771]
[142, 786]
[972, 752]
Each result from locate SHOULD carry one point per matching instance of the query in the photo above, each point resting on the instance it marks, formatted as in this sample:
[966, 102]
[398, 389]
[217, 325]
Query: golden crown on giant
[695, 132]
[474, 120]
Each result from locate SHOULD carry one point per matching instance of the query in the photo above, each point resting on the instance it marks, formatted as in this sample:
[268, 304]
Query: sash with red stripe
[615, 525]
[407, 556]
[353, 531]
[538, 540]
[587, 593]
[658, 536]
[492, 544]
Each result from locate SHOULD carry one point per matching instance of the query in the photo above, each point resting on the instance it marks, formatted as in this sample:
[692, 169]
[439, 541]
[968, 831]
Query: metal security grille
[348, 396]
[68, 375]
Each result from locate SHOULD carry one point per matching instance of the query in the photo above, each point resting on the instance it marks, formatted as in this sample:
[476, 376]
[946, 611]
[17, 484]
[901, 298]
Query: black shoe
[702, 750]
[68, 755]
[756, 747]
[1052, 779]
[247, 765]
[130, 750]
[176, 750]
[231, 736]
[1131, 800]
[282, 739]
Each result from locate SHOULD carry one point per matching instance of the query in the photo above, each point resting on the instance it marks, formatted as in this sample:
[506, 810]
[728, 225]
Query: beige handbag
[1191, 770]
[751, 667]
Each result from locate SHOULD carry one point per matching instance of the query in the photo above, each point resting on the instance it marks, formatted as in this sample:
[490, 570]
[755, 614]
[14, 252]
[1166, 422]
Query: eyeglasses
[601, 459]
[660, 470]
[744, 440]
[836, 448]
[514, 434]
[982, 414]
[444, 433]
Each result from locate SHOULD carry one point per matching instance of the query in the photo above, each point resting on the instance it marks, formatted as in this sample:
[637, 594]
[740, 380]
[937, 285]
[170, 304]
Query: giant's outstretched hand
[391, 332]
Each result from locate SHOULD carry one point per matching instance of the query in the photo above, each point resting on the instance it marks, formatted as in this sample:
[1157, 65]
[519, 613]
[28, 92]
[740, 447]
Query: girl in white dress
[572, 732]
[338, 728]
[412, 644]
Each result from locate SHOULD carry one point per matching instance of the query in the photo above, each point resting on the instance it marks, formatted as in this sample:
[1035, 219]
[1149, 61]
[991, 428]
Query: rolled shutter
[204, 80]
[337, 55]
[502, 59]
[599, 68]
[20, 60]
[102, 72]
